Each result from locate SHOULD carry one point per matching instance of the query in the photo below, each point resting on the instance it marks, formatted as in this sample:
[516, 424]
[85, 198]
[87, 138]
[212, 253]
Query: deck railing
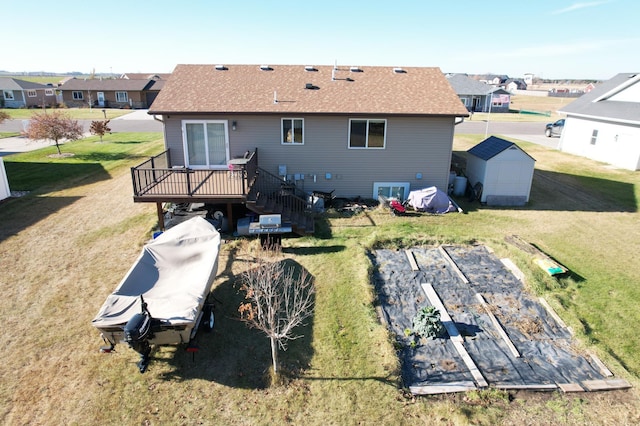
[155, 178]
[269, 188]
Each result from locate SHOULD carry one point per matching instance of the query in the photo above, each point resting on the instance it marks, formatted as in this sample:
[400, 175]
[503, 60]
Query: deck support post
[230, 217]
[160, 216]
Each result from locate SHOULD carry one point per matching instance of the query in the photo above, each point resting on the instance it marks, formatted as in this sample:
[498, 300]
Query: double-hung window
[77, 95]
[122, 97]
[292, 131]
[367, 133]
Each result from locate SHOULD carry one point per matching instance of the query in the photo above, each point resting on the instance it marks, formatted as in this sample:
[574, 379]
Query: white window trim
[32, 93]
[48, 92]
[377, 185]
[10, 93]
[282, 141]
[77, 95]
[184, 143]
[119, 96]
[384, 140]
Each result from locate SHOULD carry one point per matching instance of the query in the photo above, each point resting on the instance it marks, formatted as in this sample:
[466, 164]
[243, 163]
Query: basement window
[292, 131]
[391, 190]
[367, 134]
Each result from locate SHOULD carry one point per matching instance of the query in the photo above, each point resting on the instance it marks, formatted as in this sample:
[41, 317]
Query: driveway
[528, 132]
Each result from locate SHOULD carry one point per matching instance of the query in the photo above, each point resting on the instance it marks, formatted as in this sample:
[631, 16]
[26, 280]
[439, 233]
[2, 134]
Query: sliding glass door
[206, 144]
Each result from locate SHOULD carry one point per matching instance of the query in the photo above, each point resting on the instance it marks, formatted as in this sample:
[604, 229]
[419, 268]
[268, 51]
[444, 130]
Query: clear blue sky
[552, 39]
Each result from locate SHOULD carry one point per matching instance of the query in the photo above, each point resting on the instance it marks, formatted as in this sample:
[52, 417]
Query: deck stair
[271, 194]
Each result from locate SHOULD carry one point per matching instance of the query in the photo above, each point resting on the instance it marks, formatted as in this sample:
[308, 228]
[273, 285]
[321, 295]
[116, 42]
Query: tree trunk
[274, 354]
[58, 147]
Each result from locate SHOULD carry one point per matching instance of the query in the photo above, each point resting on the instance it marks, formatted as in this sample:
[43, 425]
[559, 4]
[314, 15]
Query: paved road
[528, 132]
[140, 121]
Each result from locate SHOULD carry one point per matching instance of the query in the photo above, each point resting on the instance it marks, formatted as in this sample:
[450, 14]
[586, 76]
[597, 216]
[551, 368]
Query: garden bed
[496, 335]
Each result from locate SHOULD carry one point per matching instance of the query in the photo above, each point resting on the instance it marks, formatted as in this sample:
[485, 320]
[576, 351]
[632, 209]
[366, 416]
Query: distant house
[145, 76]
[478, 96]
[492, 79]
[110, 93]
[504, 170]
[604, 124]
[244, 133]
[513, 84]
[25, 94]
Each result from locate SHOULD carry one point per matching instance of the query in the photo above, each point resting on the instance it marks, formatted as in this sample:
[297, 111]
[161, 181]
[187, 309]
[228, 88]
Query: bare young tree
[278, 297]
[100, 128]
[54, 126]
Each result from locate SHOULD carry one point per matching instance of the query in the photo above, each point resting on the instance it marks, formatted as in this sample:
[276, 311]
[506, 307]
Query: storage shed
[504, 170]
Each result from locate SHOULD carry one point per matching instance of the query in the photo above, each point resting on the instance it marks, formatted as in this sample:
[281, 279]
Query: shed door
[206, 144]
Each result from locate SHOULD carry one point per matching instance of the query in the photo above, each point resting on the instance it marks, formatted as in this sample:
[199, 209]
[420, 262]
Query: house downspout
[155, 117]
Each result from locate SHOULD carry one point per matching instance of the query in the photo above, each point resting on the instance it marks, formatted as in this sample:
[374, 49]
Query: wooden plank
[446, 320]
[609, 384]
[513, 268]
[454, 334]
[553, 313]
[603, 368]
[543, 260]
[441, 388]
[412, 260]
[473, 369]
[570, 387]
[498, 326]
[531, 387]
[453, 264]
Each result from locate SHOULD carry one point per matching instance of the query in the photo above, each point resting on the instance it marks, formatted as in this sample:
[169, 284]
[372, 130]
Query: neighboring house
[145, 76]
[25, 94]
[512, 84]
[504, 170]
[110, 93]
[478, 96]
[492, 79]
[604, 124]
[251, 134]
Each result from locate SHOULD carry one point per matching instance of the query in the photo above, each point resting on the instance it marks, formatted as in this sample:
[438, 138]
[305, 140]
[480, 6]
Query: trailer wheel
[208, 318]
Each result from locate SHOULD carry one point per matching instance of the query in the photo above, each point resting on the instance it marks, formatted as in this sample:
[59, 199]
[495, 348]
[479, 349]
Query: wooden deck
[155, 181]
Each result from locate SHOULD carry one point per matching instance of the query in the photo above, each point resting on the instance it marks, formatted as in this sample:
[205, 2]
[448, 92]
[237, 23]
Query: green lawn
[76, 235]
[75, 113]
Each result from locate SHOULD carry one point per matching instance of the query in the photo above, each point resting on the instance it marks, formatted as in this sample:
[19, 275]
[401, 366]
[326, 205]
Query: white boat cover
[174, 273]
[431, 200]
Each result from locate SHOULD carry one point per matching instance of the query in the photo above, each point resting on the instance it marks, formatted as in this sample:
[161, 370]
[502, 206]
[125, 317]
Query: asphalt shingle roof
[10, 83]
[490, 147]
[250, 89]
[595, 104]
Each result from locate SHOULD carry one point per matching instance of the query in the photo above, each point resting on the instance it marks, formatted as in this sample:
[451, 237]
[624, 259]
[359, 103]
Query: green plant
[427, 323]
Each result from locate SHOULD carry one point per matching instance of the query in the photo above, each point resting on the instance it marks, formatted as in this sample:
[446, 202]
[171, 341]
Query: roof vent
[399, 71]
[266, 68]
[221, 68]
[310, 68]
[310, 86]
[356, 69]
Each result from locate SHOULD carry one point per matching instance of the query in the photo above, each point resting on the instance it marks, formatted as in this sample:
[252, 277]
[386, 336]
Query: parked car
[554, 129]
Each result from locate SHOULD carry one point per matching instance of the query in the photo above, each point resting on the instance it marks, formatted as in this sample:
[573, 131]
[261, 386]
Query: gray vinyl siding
[413, 145]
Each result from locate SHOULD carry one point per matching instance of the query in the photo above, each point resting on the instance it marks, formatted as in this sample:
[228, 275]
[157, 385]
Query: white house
[604, 124]
[504, 170]
[4, 183]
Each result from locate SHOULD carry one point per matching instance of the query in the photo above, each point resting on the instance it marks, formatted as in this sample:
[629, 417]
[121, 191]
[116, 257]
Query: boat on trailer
[162, 300]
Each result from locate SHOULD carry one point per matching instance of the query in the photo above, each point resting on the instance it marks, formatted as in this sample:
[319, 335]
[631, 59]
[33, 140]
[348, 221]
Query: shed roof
[309, 90]
[492, 146]
[604, 101]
